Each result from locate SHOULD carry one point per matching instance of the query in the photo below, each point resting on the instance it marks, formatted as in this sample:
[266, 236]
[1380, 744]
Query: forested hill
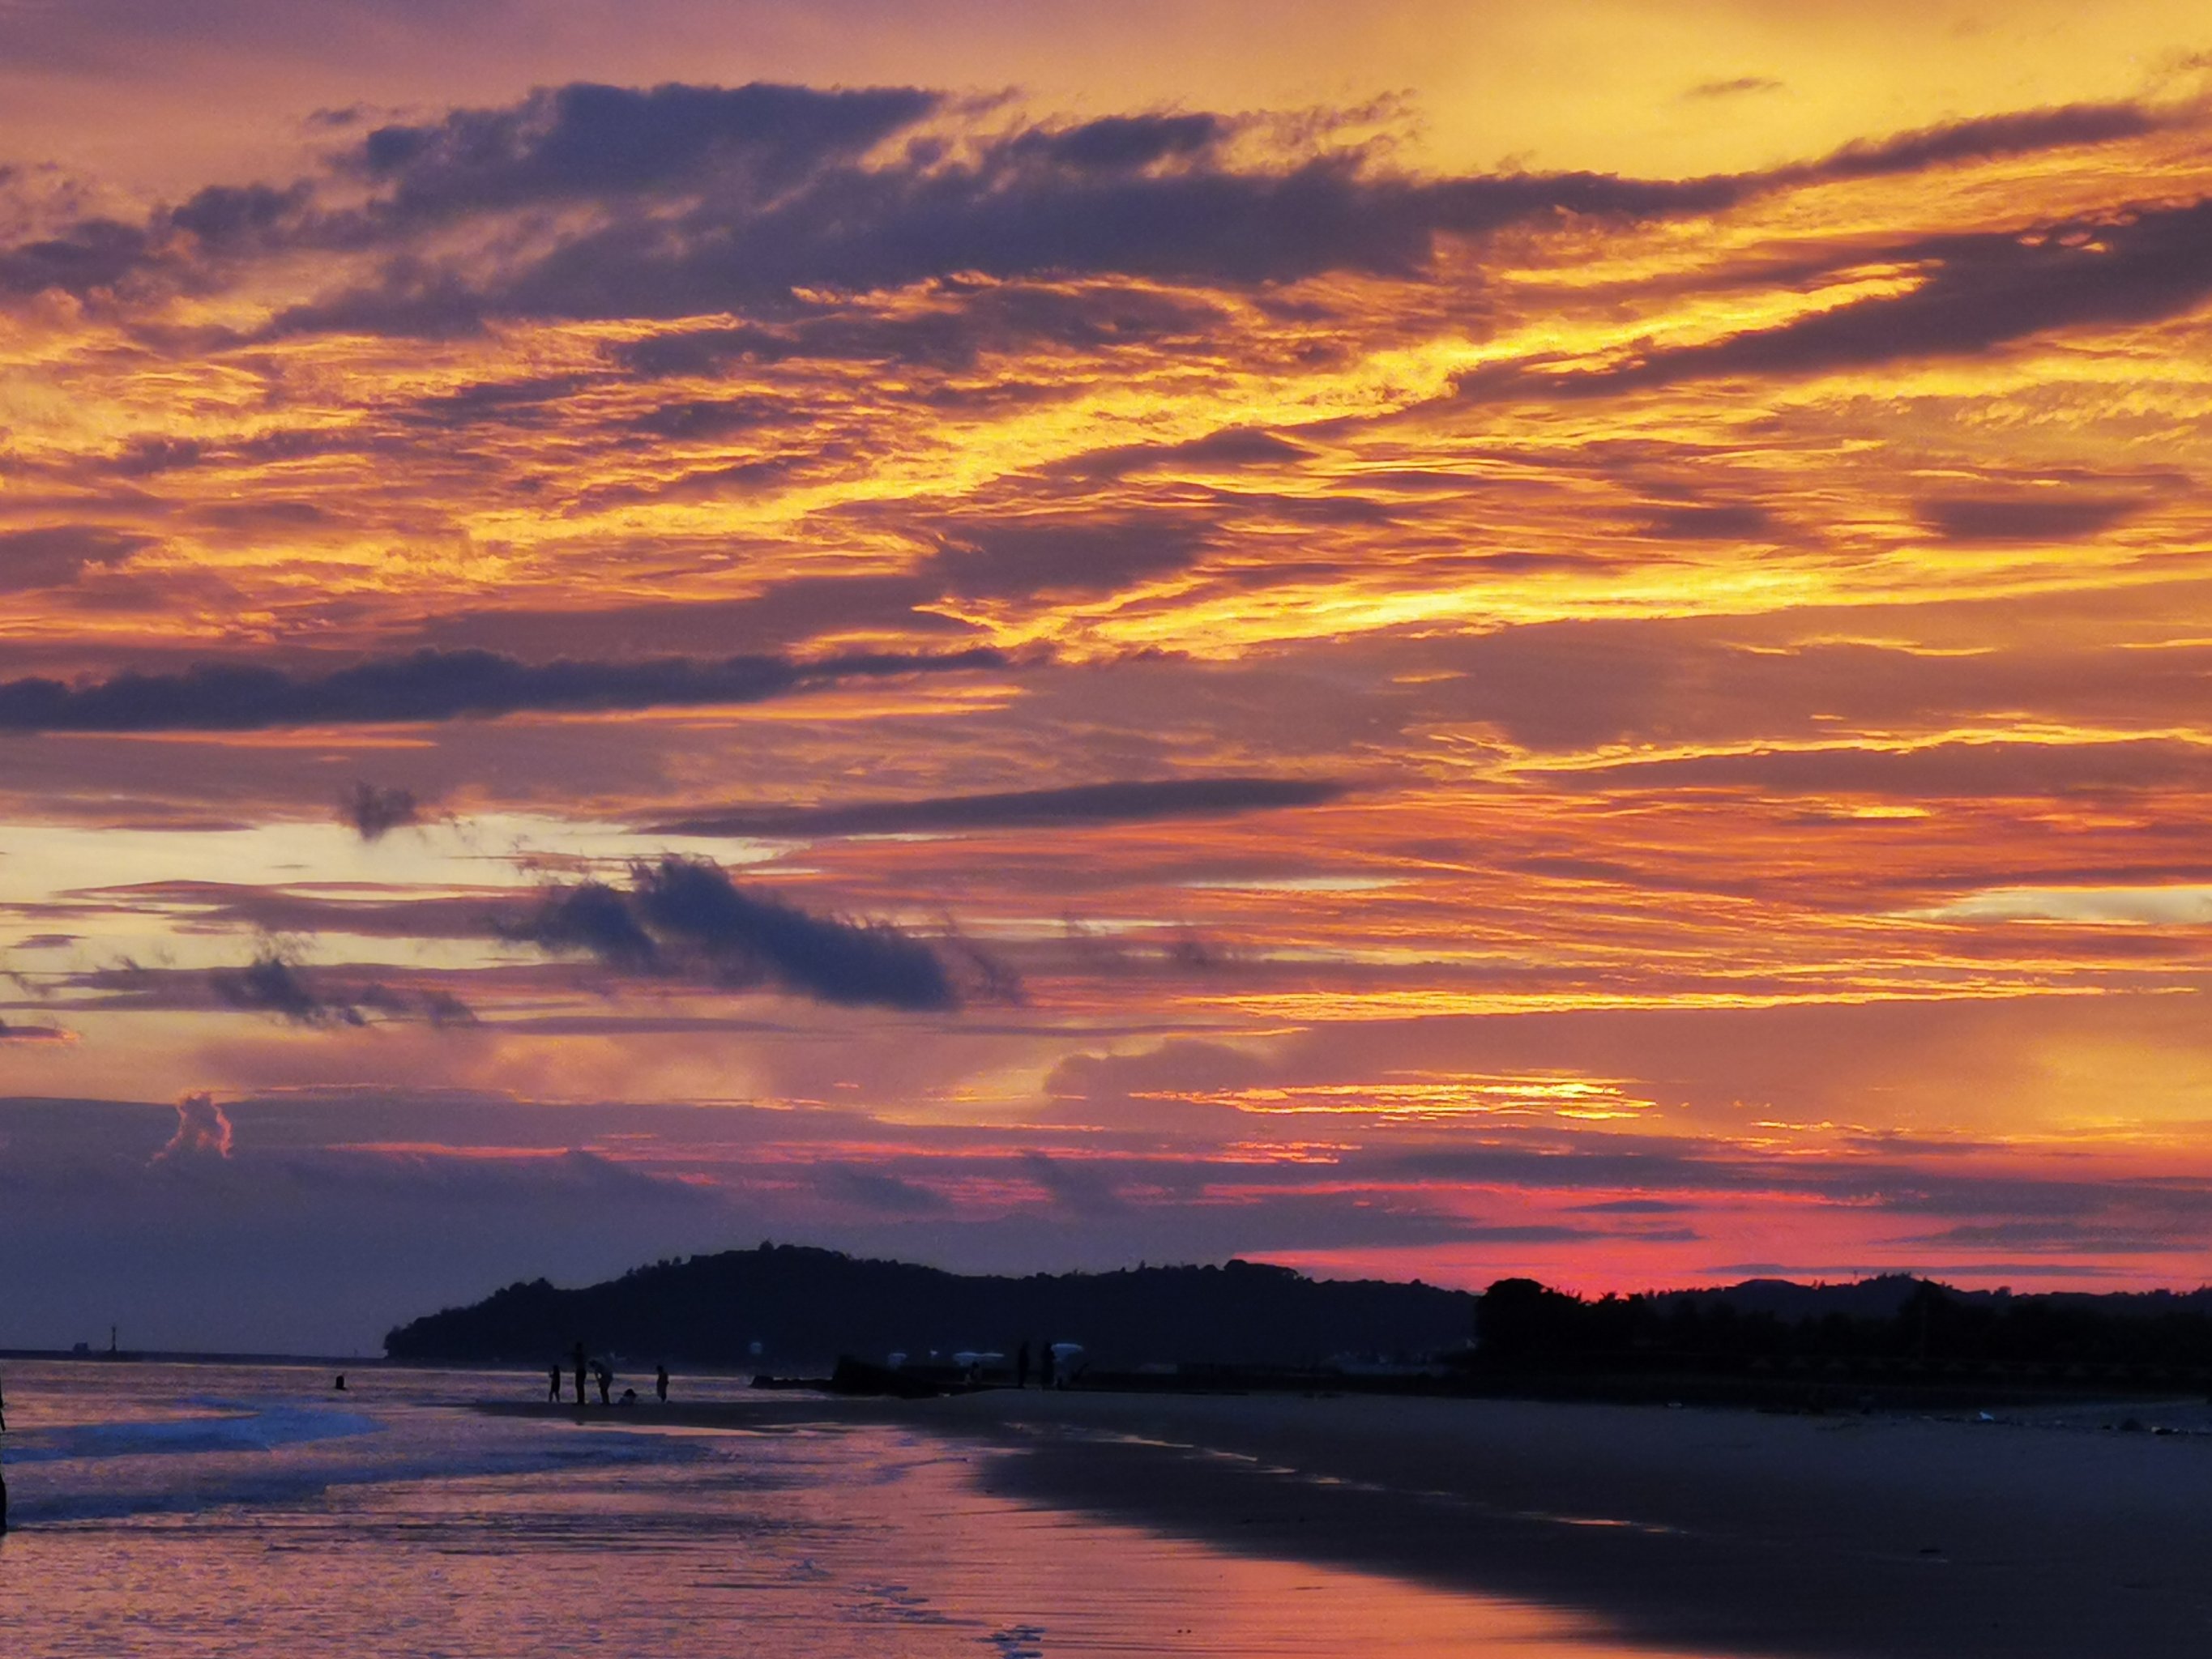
[806, 1306]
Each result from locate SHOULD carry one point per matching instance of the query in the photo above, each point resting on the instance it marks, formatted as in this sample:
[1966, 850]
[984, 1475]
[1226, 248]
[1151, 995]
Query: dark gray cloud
[1231, 447]
[2069, 1237]
[1709, 522]
[187, 241]
[685, 917]
[432, 1005]
[87, 256]
[874, 1191]
[51, 555]
[681, 201]
[700, 199]
[1147, 196]
[1006, 216]
[1139, 802]
[1083, 1188]
[534, 402]
[269, 910]
[1125, 143]
[1734, 88]
[593, 919]
[582, 140]
[1980, 291]
[272, 984]
[374, 811]
[2051, 518]
[431, 685]
[2022, 132]
[1003, 560]
[1952, 770]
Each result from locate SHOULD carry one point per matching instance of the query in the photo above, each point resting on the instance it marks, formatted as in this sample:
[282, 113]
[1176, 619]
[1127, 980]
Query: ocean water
[186, 1509]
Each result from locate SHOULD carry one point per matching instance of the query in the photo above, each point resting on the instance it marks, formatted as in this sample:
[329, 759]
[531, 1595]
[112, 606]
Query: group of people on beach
[1049, 1374]
[598, 1371]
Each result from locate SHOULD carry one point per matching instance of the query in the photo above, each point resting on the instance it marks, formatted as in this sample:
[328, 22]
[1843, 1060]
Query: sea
[253, 1512]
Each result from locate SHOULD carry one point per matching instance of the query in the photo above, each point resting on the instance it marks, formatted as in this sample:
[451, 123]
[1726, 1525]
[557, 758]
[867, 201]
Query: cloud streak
[1132, 802]
[272, 985]
[433, 685]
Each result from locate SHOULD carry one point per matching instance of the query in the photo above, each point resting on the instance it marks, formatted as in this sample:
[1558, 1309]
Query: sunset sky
[1412, 638]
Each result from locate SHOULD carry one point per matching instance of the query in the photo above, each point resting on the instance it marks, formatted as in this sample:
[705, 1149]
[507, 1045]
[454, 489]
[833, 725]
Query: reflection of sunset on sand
[1497, 641]
[271, 1522]
[1703, 1531]
[1706, 1532]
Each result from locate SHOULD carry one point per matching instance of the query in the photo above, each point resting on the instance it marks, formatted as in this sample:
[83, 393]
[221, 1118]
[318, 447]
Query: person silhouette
[553, 1385]
[579, 1370]
[1022, 1366]
[660, 1382]
[606, 1379]
[339, 1387]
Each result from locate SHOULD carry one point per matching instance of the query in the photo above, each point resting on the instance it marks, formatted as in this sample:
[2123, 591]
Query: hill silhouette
[804, 1306]
[788, 1307]
[1894, 1321]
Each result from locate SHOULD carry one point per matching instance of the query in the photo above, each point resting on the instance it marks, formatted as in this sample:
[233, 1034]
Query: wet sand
[1711, 1531]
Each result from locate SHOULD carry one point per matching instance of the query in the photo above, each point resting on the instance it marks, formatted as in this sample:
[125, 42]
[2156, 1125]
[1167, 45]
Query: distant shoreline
[1709, 1532]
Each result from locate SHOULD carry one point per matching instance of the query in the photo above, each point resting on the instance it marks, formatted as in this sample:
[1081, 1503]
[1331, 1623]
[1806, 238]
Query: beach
[1702, 1531]
[254, 1512]
[249, 1511]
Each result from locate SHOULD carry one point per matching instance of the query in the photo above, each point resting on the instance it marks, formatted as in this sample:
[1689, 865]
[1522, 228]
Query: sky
[1418, 639]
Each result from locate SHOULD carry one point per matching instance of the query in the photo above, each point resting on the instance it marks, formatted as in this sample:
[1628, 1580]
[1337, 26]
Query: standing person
[553, 1383]
[660, 1382]
[1022, 1366]
[606, 1380]
[579, 1357]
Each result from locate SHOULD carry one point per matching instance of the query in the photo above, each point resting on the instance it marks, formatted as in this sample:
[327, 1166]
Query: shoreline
[1711, 1531]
